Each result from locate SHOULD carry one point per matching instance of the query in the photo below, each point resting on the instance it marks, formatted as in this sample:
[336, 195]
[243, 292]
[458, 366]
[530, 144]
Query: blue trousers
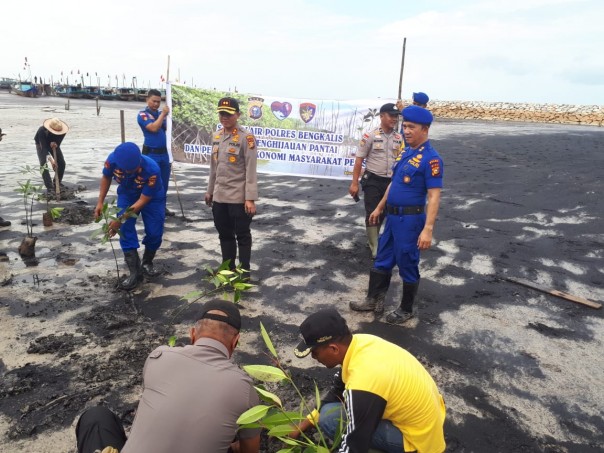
[153, 214]
[163, 160]
[398, 246]
[387, 437]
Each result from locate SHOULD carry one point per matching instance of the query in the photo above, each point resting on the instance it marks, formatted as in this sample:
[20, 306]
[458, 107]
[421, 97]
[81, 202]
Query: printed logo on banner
[255, 107]
[281, 110]
[307, 111]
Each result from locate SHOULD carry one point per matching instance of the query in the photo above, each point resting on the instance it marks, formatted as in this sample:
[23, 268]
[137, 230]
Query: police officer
[140, 191]
[379, 149]
[418, 174]
[233, 187]
[153, 124]
[420, 99]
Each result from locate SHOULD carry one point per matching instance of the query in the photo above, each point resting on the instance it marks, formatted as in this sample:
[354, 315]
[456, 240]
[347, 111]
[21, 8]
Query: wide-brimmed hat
[56, 126]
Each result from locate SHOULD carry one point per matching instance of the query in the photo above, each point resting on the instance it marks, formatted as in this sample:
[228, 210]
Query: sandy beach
[520, 370]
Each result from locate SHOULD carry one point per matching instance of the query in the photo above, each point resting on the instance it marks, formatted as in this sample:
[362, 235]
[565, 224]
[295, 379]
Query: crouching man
[140, 192]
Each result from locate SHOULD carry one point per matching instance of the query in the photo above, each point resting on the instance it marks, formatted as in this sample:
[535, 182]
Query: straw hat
[56, 126]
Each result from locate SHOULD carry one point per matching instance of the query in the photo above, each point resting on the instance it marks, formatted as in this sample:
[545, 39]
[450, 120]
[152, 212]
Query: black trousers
[48, 182]
[233, 226]
[374, 188]
[98, 428]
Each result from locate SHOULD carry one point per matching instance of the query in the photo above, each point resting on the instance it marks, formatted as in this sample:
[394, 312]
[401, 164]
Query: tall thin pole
[400, 83]
[168, 70]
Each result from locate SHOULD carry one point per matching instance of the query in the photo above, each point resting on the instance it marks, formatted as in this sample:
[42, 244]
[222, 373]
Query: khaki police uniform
[233, 176]
[233, 181]
[380, 151]
[191, 400]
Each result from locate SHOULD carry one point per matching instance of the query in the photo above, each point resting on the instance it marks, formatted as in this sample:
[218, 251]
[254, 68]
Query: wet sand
[520, 370]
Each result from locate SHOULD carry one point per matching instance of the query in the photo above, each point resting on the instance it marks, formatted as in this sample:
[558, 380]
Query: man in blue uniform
[417, 175]
[140, 191]
[153, 124]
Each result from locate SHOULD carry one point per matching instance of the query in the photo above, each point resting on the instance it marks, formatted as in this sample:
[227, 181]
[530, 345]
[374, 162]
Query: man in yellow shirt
[391, 402]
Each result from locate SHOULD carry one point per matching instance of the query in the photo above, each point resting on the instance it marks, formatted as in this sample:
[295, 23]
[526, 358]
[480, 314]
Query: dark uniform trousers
[233, 226]
[161, 157]
[98, 428]
[42, 156]
[374, 188]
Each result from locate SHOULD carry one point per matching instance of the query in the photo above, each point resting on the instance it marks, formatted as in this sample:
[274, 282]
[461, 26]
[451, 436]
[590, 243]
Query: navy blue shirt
[415, 171]
[145, 179]
[152, 139]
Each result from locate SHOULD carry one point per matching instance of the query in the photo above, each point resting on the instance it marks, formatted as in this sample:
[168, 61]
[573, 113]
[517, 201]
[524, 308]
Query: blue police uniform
[155, 143]
[415, 171]
[144, 180]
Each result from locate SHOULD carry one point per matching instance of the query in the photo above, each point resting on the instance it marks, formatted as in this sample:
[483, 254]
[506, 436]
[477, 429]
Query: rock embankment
[592, 115]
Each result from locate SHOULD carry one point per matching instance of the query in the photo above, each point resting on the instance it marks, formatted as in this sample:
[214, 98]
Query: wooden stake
[554, 292]
[57, 184]
[122, 126]
[400, 82]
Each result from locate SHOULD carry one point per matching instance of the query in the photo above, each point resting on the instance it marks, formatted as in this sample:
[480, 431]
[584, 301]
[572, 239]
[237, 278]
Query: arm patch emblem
[435, 166]
[251, 143]
[152, 180]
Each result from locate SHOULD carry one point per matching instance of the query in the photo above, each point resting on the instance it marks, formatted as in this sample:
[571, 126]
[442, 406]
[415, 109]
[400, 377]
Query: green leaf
[267, 341]
[290, 441]
[317, 397]
[265, 373]
[172, 341]
[271, 396]
[236, 297]
[253, 414]
[281, 430]
[286, 450]
[226, 272]
[192, 295]
[280, 417]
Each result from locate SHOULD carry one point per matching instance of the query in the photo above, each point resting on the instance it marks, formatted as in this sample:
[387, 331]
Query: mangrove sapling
[109, 214]
[29, 192]
[272, 416]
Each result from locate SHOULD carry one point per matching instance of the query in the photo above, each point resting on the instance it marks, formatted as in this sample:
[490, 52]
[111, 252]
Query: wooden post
[122, 126]
[400, 83]
[67, 105]
[57, 184]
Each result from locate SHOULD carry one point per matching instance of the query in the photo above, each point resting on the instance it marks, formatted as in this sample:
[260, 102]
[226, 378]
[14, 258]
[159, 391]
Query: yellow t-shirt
[413, 402]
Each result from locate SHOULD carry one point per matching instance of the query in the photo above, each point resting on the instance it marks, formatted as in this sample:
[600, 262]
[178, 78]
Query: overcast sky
[541, 51]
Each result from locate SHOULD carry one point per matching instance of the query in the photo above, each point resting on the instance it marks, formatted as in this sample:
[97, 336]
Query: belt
[378, 177]
[149, 150]
[404, 210]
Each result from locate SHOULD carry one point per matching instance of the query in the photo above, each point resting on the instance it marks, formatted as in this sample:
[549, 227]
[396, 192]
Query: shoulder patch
[435, 166]
[152, 180]
[143, 115]
[251, 142]
[107, 165]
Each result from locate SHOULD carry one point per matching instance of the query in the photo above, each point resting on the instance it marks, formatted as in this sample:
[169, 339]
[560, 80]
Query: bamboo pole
[400, 83]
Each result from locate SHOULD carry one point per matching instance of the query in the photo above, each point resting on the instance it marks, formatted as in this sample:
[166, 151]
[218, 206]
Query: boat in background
[26, 89]
[6, 83]
[141, 94]
[69, 91]
[108, 94]
[126, 94]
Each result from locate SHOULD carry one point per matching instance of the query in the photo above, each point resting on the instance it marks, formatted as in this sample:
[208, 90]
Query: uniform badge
[435, 166]
[232, 159]
[254, 109]
[152, 180]
[143, 115]
[235, 138]
[377, 135]
[307, 111]
[419, 156]
[281, 110]
[363, 142]
[217, 137]
[407, 179]
[232, 150]
[107, 165]
[365, 135]
[251, 143]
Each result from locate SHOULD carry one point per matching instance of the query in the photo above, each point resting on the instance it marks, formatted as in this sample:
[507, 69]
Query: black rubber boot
[4, 223]
[134, 266]
[379, 282]
[148, 269]
[405, 312]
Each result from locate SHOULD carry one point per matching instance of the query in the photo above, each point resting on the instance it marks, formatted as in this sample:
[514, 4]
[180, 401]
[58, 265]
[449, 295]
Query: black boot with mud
[134, 266]
[149, 270]
[379, 282]
[405, 311]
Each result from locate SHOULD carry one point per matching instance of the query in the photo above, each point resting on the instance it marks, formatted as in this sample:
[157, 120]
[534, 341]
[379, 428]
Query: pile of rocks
[504, 111]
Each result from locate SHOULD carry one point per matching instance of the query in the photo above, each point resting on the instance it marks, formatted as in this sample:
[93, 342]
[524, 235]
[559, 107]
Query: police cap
[420, 98]
[416, 114]
[228, 105]
[127, 156]
[389, 108]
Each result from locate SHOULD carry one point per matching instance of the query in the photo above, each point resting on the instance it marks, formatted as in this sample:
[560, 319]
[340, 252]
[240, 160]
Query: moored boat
[26, 89]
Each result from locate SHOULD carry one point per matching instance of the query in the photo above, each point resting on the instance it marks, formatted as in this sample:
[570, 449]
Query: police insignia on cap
[407, 179]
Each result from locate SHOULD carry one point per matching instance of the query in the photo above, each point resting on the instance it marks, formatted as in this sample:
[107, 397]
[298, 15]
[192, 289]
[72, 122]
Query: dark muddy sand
[521, 371]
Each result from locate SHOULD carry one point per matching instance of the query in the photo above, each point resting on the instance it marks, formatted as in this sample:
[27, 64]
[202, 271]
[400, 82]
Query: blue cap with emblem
[416, 114]
[127, 156]
[420, 98]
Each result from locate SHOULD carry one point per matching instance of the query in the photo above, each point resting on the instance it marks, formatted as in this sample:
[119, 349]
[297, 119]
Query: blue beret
[127, 156]
[421, 98]
[417, 114]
